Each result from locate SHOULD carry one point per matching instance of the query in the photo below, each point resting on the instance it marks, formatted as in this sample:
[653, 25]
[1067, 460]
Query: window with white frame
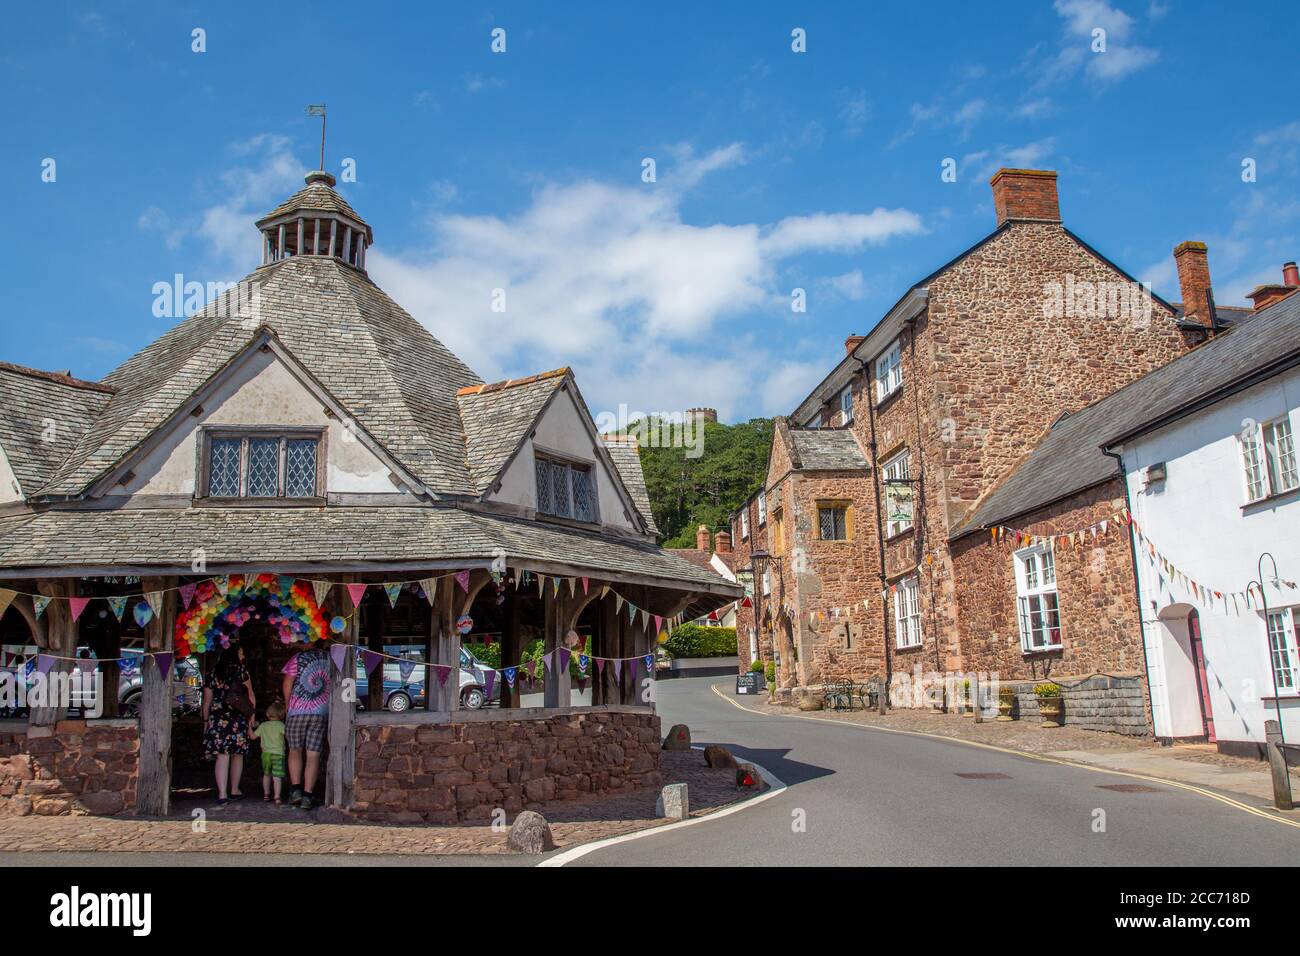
[1269, 459]
[257, 463]
[1282, 626]
[1036, 599]
[767, 581]
[744, 523]
[907, 613]
[565, 490]
[889, 371]
[762, 508]
[846, 405]
[898, 494]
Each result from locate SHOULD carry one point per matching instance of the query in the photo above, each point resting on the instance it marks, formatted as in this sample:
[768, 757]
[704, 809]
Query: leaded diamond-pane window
[263, 467]
[223, 469]
[833, 522]
[300, 468]
[566, 490]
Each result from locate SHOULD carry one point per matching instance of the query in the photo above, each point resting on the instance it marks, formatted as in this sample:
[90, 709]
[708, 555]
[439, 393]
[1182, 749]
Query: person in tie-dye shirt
[307, 689]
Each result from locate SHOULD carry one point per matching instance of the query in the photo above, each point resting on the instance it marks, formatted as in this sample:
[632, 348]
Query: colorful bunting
[187, 597]
[369, 659]
[356, 592]
[118, 606]
[143, 613]
[6, 598]
[510, 673]
[164, 661]
[40, 602]
[462, 578]
[338, 653]
[394, 591]
[320, 588]
[76, 605]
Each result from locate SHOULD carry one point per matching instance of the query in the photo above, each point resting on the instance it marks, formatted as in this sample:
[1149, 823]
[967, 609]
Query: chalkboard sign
[751, 682]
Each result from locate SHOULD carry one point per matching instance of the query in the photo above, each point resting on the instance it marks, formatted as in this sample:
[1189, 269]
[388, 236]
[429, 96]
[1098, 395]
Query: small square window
[833, 522]
[261, 466]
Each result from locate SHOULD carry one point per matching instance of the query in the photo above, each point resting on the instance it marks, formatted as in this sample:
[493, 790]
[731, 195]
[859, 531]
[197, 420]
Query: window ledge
[888, 397]
[259, 502]
[568, 522]
[1268, 501]
[908, 647]
[1042, 651]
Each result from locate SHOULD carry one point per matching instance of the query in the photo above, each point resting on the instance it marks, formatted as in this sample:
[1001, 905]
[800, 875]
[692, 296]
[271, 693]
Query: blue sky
[522, 170]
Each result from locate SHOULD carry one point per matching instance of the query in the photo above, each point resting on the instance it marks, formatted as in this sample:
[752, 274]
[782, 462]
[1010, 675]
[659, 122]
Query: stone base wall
[1114, 704]
[74, 767]
[411, 770]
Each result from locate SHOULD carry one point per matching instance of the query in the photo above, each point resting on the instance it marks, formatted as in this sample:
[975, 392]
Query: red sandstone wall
[461, 772]
[80, 767]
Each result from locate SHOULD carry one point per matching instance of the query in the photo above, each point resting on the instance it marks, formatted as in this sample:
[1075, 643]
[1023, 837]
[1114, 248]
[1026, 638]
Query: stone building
[943, 400]
[302, 461]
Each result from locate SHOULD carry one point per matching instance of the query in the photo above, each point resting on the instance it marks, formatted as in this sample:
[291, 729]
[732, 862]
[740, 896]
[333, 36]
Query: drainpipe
[918, 501]
[1137, 587]
[880, 531]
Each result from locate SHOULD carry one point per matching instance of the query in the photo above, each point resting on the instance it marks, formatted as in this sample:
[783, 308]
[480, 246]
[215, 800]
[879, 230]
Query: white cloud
[855, 112]
[840, 231]
[849, 285]
[986, 162]
[1122, 56]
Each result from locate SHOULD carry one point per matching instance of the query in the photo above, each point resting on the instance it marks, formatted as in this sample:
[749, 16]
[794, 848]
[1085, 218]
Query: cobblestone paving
[251, 826]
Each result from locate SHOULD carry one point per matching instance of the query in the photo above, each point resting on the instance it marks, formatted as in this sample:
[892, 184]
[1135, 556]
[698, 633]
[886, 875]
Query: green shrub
[757, 666]
[1047, 689]
[692, 640]
[769, 671]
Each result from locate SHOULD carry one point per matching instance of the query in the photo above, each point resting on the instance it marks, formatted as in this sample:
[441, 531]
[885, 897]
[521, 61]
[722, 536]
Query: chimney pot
[702, 538]
[1290, 274]
[1193, 261]
[852, 342]
[722, 542]
[1025, 194]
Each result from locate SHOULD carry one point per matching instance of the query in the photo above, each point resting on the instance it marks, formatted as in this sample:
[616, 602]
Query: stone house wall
[409, 770]
[74, 767]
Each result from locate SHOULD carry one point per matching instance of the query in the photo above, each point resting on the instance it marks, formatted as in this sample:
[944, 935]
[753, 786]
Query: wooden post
[341, 767]
[61, 641]
[315, 242]
[154, 785]
[376, 619]
[510, 646]
[604, 691]
[558, 690]
[1277, 765]
[445, 695]
[334, 225]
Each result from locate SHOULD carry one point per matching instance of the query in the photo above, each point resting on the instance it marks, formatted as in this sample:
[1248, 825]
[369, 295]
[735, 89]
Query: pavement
[860, 795]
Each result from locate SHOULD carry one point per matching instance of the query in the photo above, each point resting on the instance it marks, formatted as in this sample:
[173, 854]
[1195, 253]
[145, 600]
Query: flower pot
[1005, 707]
[1050, 709]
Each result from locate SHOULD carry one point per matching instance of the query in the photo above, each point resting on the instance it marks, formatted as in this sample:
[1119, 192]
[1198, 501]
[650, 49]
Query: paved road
[881, 799]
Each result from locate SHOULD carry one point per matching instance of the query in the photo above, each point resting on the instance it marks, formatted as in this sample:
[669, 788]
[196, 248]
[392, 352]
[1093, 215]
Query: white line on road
[777, 788]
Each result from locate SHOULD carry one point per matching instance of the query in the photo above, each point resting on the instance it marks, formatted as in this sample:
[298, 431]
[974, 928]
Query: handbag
[237, 700]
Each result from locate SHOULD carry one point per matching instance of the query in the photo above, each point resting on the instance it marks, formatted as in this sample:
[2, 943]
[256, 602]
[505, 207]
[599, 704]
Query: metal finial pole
[318, 109]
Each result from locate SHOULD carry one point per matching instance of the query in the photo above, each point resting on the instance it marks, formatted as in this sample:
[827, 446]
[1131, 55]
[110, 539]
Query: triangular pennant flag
[356, 592]
[443, 670]
[43, 663]
[659, 623]
[76, 605]
[164, 661]
[86, 664]
[7, 597]
[40, 602]
[618, 602]
[631, 666]
[618, 668]
[155, 600]
[565, 654]
[462, 578]
[582, 684]
[337, 654]
[548, 660]
[427, 586]
[573, 588]
[584, 662]
[187, 596]
[541, 585]
[143, 613]
[321, 589]
[600, 665]
[369, 659]
[285, 583]
[118, 606]
[603, 591]
[222, 582]
[645, 618]
[631, 612]
[585, 583]
[394, 591]
[489, 682]
[510, 673]
[649, 662]
[555, 586]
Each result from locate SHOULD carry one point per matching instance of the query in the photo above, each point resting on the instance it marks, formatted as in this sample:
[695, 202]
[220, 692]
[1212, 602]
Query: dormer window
[261, 464]
[566, 489]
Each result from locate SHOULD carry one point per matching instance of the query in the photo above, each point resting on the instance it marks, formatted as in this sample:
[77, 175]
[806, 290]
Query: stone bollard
[679, 738]
[530, 833]
[1277, 765]
[716, 756]
[674, 802]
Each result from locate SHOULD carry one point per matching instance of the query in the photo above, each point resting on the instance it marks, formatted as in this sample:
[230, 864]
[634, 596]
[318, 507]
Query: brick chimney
[702, 538]
[852, 342]
[722, 542]
[1025, 194]
[1266, 295]
[1193, 261]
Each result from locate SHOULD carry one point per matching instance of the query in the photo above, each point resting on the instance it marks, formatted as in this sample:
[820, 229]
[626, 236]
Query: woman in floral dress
[225, 729]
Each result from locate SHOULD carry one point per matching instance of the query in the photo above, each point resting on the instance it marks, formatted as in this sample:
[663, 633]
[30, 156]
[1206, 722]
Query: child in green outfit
[270, 733]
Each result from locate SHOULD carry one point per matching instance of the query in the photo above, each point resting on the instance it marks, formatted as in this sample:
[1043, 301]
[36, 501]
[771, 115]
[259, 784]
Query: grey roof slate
[1069, 458]
[317, 197]
[626, 456]
[382, 365]
[826, 449]
[320, 537]
[42, 416]
[497, 418]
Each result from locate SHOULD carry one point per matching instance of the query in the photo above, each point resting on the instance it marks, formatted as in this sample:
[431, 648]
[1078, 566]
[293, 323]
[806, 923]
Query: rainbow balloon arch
[215, 615]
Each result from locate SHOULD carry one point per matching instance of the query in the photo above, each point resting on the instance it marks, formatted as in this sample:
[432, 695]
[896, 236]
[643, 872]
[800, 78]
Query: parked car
[404, 680]
[186, 681]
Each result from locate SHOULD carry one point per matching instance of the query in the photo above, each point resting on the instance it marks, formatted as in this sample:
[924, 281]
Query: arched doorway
[1187, 688]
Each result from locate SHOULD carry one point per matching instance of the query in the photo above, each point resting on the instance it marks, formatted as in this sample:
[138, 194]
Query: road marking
[1236, 804]
[777, 788]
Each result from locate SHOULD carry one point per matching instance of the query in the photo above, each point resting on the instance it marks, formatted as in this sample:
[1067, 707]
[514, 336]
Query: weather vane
[318, 109]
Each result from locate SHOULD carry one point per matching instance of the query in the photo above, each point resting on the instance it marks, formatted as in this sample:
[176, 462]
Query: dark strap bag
[237, 700]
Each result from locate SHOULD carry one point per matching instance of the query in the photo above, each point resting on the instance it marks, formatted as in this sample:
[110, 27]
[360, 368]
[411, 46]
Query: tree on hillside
[687, 492]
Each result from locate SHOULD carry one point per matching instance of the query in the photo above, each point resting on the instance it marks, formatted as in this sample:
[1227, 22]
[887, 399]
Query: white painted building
[1213, 483]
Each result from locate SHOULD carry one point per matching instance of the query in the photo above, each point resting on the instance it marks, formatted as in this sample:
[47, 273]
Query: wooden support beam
[334, 225]
[60, 640]
[154, 785]
[445, 695]
[341, 767]
[604, 691]
[511, 646]
[558, 686]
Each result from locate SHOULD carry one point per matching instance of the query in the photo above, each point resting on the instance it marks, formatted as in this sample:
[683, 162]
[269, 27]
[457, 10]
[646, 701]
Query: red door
[1202, 681]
